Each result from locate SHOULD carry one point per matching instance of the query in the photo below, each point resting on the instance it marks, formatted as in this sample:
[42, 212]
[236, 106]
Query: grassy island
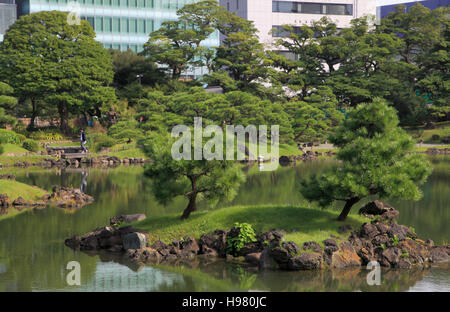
[301, 224]
[15, 189]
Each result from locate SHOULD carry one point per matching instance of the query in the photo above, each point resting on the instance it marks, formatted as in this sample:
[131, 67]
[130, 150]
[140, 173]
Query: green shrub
[30, 145]
[246, 236]
[46, 135]
[2, 149]
[100, 141]
[9, 136]
[126, 131]
[435, 137]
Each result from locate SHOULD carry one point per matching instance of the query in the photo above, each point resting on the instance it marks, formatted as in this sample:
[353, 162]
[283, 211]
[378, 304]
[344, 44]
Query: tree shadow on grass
[262, 218]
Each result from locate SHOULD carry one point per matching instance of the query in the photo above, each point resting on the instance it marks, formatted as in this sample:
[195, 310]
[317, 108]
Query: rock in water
[127, 218]
[134, 241]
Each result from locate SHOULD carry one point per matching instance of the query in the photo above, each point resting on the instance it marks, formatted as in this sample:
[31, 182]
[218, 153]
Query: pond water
[33, 256]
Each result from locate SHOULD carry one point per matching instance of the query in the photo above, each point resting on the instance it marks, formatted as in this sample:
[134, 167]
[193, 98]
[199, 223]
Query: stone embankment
[437, 151]
[62, 197]
[100, 161]
[382, 240]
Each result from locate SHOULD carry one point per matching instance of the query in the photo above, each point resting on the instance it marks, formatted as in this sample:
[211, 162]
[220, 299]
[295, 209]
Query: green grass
[11, 160]
[13, 149]
[15, 189]
[425, 148]
[302, 224]
[420, 133]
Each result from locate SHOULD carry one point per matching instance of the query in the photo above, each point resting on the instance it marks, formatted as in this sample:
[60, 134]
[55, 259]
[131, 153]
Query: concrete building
[8, 15]
[384, 7]
[270, 14]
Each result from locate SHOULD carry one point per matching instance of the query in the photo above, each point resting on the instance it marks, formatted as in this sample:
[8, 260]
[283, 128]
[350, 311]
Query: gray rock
[266, 261]
[127, 218]
[134, 241]
[253, 258]
[306, 261]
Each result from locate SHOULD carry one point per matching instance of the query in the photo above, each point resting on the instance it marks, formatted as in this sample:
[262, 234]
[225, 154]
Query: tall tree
[376, 160]
[241, 63]
[176, 45]
[423, 57]
[210, 179]
[60, 63]
[314, 118]
[7, 103]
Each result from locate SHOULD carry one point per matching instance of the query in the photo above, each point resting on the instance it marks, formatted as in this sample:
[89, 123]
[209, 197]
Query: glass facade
[121, 24]
[312, 8]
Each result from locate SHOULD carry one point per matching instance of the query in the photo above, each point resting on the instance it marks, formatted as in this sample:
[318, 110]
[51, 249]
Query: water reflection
[33, 256]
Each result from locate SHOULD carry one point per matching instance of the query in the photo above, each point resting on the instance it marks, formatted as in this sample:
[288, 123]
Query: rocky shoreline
[382, 240]
[99, 161]
[61, 197]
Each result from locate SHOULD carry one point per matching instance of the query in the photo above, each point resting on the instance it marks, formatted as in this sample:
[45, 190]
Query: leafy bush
[30, 145]
[46, 135]
[126, 131]
[9, 136]
[435, 137]
[246, 236]
[100, 141]
[2, 149]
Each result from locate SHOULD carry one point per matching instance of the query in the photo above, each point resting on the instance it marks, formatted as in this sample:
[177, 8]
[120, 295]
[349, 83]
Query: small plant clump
[246, 235]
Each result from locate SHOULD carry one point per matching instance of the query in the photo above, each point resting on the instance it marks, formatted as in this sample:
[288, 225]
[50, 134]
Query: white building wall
[260, 12]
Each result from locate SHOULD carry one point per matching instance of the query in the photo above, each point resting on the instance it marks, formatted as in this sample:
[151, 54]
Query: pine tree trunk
[348, 206]
[64, 119]
[32, 125]
[191, 207]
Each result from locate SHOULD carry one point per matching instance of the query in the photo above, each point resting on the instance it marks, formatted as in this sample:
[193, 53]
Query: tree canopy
[43, 57]
[376, 160]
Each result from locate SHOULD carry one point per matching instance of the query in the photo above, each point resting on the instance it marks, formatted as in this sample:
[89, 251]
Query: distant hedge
[30, 145]
[10, 137]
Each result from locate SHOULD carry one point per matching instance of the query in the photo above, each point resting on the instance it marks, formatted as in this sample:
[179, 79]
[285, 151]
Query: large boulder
[214, 243]
[439, 254]
[4, 200]
[271, 238]
[305, 261]
[346, 256]
[253, 258]
[312, 246]
[378, 208]
[266, 261]
[134, 241]
[390, 257]
[282, 254]
[19, 201]
[66, 197]
[189, 246]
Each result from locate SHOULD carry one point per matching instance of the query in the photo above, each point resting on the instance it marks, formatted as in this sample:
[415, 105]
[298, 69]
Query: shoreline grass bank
[301, 224]
[14, 189]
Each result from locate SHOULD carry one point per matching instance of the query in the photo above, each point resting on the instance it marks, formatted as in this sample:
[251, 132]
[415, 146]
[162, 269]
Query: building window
[98, 24]
[116, 25]
[312, 8]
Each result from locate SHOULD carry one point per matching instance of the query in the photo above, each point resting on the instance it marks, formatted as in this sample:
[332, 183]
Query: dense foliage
[376, 160]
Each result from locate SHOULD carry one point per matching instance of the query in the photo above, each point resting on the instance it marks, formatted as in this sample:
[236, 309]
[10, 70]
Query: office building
[384, 7]
[272, 14]
[8, 15]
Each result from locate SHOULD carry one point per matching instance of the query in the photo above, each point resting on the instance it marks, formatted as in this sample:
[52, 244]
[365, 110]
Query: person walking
[83, 140]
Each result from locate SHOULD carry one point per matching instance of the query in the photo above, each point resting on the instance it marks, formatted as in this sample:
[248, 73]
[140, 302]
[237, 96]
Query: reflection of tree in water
[209, 275]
